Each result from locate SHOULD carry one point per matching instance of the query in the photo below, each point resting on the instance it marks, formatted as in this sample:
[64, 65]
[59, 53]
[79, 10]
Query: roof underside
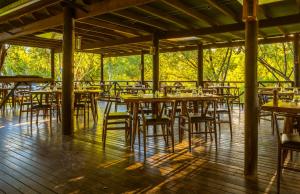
[117, 28]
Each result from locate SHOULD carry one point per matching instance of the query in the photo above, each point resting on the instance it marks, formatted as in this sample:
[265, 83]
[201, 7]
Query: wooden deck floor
[45, 163]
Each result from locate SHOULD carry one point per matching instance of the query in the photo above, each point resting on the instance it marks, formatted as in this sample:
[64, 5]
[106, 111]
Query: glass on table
[200, 91]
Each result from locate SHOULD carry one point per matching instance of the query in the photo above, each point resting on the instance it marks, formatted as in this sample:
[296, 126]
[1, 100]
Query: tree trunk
[3, 53]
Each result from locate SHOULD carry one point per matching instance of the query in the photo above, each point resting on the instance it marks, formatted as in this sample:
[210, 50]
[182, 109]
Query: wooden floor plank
[49, 163]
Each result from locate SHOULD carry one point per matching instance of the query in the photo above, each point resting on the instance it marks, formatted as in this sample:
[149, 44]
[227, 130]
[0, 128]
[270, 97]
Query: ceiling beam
[279, 21]
[13, 14]
[164, 16]
[225, 10]
[264, 10]
[101, 7]
[136, 18]
[118, 42]
[31, 28]
[207, 46]
[106, 6]
[189, 11]
[104, 24]
[285, 20]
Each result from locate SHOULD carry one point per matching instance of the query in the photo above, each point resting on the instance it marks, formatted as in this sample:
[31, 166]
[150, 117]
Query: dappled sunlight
[107, 164]
[75, 179]
[135, 166]
[272, 182]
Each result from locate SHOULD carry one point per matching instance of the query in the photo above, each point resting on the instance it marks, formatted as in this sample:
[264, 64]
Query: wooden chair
[224, 108]
[265, 115]
[24, 102]
[195, 119]
[41, 102]
[163, 118]
[115, 121]
[286, 142]
[81, 106]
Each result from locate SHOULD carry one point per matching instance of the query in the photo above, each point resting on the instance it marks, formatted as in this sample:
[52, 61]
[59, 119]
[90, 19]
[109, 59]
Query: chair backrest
[289, 123]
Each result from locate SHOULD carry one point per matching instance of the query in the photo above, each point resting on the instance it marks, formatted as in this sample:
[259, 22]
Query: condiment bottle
[275, 97]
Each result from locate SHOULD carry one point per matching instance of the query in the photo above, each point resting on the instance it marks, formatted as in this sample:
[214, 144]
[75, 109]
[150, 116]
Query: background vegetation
[275, 62]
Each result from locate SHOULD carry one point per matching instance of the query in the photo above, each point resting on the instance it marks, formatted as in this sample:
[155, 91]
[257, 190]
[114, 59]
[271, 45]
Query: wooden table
[133, 102]
[283, 107]
[90, 92]
[136, 89]
[18, 80]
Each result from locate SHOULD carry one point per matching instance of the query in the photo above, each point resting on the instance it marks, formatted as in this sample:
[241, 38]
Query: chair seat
[198, 117]
[156, 119]
[118, 115]
[41, 106]
[290, 141]
[222, 110]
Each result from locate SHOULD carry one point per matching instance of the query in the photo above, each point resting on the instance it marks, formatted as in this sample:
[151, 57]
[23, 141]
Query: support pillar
[52, 61]
[68, 75]
[251, 101]
[155, 42]
[142, 68]
[101, 69]
[200, 65]
[296, 60]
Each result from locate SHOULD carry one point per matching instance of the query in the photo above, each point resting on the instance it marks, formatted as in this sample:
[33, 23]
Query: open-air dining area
[149, 96]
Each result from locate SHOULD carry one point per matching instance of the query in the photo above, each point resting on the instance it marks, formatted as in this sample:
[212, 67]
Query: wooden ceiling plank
[33, 27]
[190, 11]
[225, 10]
[139, 19]
[164, 16]
[264, 10]
[203, 31]
[109, 26]
[99, 30]
[106, 6]
[119, 42]
[28, 9]
[98, 8]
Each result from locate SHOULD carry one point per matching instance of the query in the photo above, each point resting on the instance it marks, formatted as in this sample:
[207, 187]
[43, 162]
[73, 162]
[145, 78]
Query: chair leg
[215, 131]
[279, 162]
[20, 114]
[272, 124]
[172, 137]
[104, 134]
[144, 139]
[190, 136]
[230, 124]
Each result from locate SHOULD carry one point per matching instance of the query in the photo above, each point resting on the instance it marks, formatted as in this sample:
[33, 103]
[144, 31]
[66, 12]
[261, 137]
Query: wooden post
[200, 65]
[296, 60]
[142, 68]
[251, 102]
[52, 61]
[101, 69]
[67, 74]
[155, 62]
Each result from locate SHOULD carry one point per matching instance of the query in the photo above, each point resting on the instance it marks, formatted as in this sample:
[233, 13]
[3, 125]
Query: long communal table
[134, 100]
[18, 80]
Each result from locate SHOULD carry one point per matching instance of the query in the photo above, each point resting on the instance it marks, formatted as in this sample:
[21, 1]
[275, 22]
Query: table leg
[135, 122]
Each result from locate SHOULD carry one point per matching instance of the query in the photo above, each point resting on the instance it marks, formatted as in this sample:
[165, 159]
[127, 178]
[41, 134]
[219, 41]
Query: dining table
[90, 93]
[283, 107]
[133, 102]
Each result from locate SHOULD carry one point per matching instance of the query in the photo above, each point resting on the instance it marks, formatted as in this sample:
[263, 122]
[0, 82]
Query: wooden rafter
[202, 31]
[189, 11]
[107, 25]
[98, 8]
[225, 10]
[264, 10]
[136, 18]
[164, 16]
